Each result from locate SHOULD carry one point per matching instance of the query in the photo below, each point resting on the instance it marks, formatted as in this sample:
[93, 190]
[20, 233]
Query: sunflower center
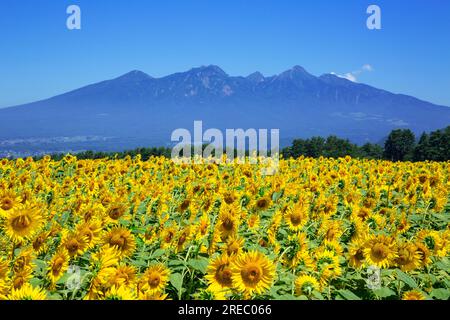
[251, 274]
[72, 246]
[229, 198]
[7, 204]
[228, 224]
[185, 205]
[233, 248]
[182, 239]
[379, 251]
[115, 213]
[359, 255]
[296, 219]
[21, 222]
[262, 203]
[118, 240]
[169, 237]
[38, 242]
[403, 257]
[223, 276]
[154, 280]
[330, 234]
[88, 234]
[57, 265]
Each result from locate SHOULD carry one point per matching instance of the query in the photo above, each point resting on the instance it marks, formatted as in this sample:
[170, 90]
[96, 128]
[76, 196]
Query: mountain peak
[295, 72]
[135, 75]
[256, 77]
[210, 70]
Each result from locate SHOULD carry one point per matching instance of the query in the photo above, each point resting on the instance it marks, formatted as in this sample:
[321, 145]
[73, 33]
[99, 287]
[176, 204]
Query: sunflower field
[154, 230]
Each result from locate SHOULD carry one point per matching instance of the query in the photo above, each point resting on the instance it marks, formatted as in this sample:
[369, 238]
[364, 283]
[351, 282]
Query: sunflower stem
[13, 250]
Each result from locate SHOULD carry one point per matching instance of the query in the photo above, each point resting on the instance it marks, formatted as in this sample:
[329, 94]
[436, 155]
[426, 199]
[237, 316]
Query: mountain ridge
[138, 106]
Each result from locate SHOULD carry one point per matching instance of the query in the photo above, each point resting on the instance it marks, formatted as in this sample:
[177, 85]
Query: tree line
[400, 145]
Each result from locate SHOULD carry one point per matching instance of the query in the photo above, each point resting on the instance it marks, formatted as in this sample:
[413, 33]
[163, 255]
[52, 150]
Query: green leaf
[36, 282]
[176, 279]
[199, 264]
[384, 292]
[347, 294]
[441, 293]
[287, 297]
[317, 295]
[406, 278]
[140, 263]
[157, 253]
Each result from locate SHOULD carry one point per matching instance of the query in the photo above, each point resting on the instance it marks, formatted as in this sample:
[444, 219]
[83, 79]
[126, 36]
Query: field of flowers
[131, 229]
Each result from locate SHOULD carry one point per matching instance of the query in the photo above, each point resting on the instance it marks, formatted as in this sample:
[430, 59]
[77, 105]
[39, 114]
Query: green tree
[421, 151]
[399, 145]
[371, 151]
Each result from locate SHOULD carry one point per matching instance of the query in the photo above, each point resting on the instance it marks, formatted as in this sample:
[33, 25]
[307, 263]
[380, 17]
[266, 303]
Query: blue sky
[40, 57]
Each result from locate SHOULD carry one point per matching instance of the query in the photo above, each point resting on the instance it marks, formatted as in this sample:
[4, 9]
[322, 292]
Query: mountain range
[136, 109]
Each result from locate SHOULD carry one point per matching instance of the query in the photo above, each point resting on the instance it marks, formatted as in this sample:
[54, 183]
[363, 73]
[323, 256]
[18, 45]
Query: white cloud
[367, 67]
[353, 76]
[349, 76]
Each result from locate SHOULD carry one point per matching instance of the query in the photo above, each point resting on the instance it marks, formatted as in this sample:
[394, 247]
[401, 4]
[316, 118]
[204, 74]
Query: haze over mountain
[136, 109]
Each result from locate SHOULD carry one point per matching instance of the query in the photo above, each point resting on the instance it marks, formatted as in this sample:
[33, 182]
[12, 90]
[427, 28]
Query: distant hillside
[138, 110]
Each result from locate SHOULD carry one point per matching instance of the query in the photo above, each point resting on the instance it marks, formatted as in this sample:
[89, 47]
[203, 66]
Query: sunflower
[253, 221]
[58, 265]
[107, 257]
[23, 222]
[123, 276]
[356, 253]
[333, 246]
[297, 216]
[229, 196]
[4, 290]
[122, 239]
[228, 222]
[21, 278]
[182, 238]
[39, 241]
[168, 236]
[380, 251]
[327, 264]
[28, 292]
[120, 293]
[234, 246]
[262, 203]
[154, 279]
[219, 274]
[297, 251]
[413, 295]
[202, 227]
[424, 254]
[331, 229]
[408, 257]
[115, 212]
[4, 269]
[8, 201]
[75, 243]
[152, 296]
[431, 239]
[91, 231]
[252, 272]
[306, 284]
[24, 260]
